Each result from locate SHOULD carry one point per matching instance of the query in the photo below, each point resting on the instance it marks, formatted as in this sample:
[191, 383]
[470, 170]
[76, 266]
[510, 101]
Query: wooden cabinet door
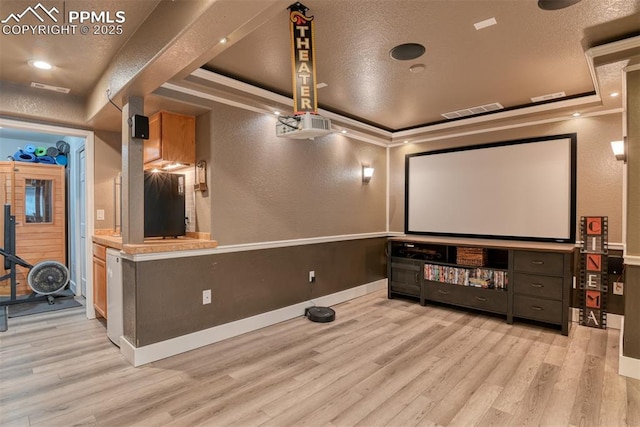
[38, 204]
[100, 286]
[152, 148]
[172, 139]
[178, 138]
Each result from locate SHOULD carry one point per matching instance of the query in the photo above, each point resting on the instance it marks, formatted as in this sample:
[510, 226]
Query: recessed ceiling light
[224, 40]
[42, 65]
[343, 131]
[486, 23]
[277, 113]
[417, 68]
[576, 114]
[406, 141]
[407, 51]
[321, 85]
[614, 94]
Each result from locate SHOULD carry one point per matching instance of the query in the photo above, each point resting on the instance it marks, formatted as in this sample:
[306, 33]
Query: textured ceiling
[79, 59]
[529, 53]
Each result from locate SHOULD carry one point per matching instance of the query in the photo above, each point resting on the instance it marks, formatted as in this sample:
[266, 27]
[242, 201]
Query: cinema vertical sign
[593, 274]
[303, 60]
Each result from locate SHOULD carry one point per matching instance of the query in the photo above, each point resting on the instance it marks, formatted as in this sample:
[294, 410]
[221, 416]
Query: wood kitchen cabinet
[172, 139]
[100, 280]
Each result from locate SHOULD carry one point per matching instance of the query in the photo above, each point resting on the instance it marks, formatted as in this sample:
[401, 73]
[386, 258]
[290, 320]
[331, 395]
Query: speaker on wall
[140, 127]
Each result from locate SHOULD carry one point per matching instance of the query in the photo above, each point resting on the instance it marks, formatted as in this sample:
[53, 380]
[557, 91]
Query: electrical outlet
[618, 288]
[206, 297]
[100, 214]
[312, 276]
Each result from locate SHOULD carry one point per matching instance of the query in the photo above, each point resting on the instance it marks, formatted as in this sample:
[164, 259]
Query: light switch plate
[100, 214]
[206, 296]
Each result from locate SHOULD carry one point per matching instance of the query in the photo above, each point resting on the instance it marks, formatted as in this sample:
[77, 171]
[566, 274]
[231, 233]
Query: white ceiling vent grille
[548, 97]
[473, 110]
[49, 87]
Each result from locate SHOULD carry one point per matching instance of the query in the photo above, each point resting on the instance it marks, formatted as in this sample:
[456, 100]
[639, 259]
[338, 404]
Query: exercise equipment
[23, 156]
[45, 278]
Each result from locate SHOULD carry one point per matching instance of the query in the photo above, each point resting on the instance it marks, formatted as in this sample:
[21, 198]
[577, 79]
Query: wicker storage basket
[476, 257]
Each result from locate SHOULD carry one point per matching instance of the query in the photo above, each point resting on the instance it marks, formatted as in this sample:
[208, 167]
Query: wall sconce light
[367, 173]
[619, 150]
[201, 176]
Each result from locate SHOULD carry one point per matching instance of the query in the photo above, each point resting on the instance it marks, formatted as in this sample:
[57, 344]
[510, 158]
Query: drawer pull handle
[536, 308]
[537, 262]
[537, 285]
[440, 291]
[481, 299]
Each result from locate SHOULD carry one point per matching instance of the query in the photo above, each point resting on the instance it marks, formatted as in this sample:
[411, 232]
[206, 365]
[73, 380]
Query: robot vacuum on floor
[320, 314]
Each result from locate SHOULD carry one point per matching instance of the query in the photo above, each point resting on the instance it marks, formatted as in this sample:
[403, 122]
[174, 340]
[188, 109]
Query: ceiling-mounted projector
[305, 126]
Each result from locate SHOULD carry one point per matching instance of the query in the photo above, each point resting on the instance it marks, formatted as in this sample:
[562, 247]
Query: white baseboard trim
[138, 356]
[627, 366]
[614, 321]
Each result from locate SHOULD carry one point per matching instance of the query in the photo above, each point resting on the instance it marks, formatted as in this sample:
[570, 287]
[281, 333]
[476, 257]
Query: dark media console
[517, 279]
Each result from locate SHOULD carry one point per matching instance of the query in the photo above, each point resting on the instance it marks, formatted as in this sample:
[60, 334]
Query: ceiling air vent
[49, 87]
[548, 97]
[473, 111]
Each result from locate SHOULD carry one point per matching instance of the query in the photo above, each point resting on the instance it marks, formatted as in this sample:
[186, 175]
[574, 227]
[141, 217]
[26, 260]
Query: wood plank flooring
[381, 363]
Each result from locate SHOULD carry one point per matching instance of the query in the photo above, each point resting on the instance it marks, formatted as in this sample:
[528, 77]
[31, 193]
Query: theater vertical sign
[593, 275]
[303, 60]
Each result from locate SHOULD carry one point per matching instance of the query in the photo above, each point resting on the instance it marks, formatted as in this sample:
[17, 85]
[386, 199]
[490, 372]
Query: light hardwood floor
[382, 362]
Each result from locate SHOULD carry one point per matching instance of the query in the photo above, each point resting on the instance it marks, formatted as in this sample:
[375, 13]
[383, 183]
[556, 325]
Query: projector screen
[521, 190]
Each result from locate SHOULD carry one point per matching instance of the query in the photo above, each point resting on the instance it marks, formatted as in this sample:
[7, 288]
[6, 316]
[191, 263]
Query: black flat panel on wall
[521, 190]
[164, 204]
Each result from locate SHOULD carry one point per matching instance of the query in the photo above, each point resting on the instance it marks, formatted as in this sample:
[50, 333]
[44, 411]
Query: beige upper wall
[599, 175]
[265, 188]
[633, 168]
[108, 164]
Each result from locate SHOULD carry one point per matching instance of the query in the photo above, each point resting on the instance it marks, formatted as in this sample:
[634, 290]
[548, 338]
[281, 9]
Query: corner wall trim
[632, 260]
[171, 347]
[627, 366]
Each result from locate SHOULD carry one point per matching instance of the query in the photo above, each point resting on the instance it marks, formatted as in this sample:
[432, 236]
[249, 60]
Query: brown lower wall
[163, 298]
[631, 339]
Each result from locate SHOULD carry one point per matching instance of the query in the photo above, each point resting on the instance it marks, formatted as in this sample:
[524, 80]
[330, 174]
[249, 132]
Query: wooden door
[40, 212]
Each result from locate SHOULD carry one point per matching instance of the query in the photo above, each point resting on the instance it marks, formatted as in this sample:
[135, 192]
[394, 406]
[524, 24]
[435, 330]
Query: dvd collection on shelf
[474, 277]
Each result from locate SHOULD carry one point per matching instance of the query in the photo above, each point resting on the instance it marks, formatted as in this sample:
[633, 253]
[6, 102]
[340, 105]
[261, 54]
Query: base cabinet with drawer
[520, 280]
[100, 280]
[542, 284]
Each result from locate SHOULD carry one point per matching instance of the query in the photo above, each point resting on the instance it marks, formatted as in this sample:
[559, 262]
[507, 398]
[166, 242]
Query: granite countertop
[153, 245]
